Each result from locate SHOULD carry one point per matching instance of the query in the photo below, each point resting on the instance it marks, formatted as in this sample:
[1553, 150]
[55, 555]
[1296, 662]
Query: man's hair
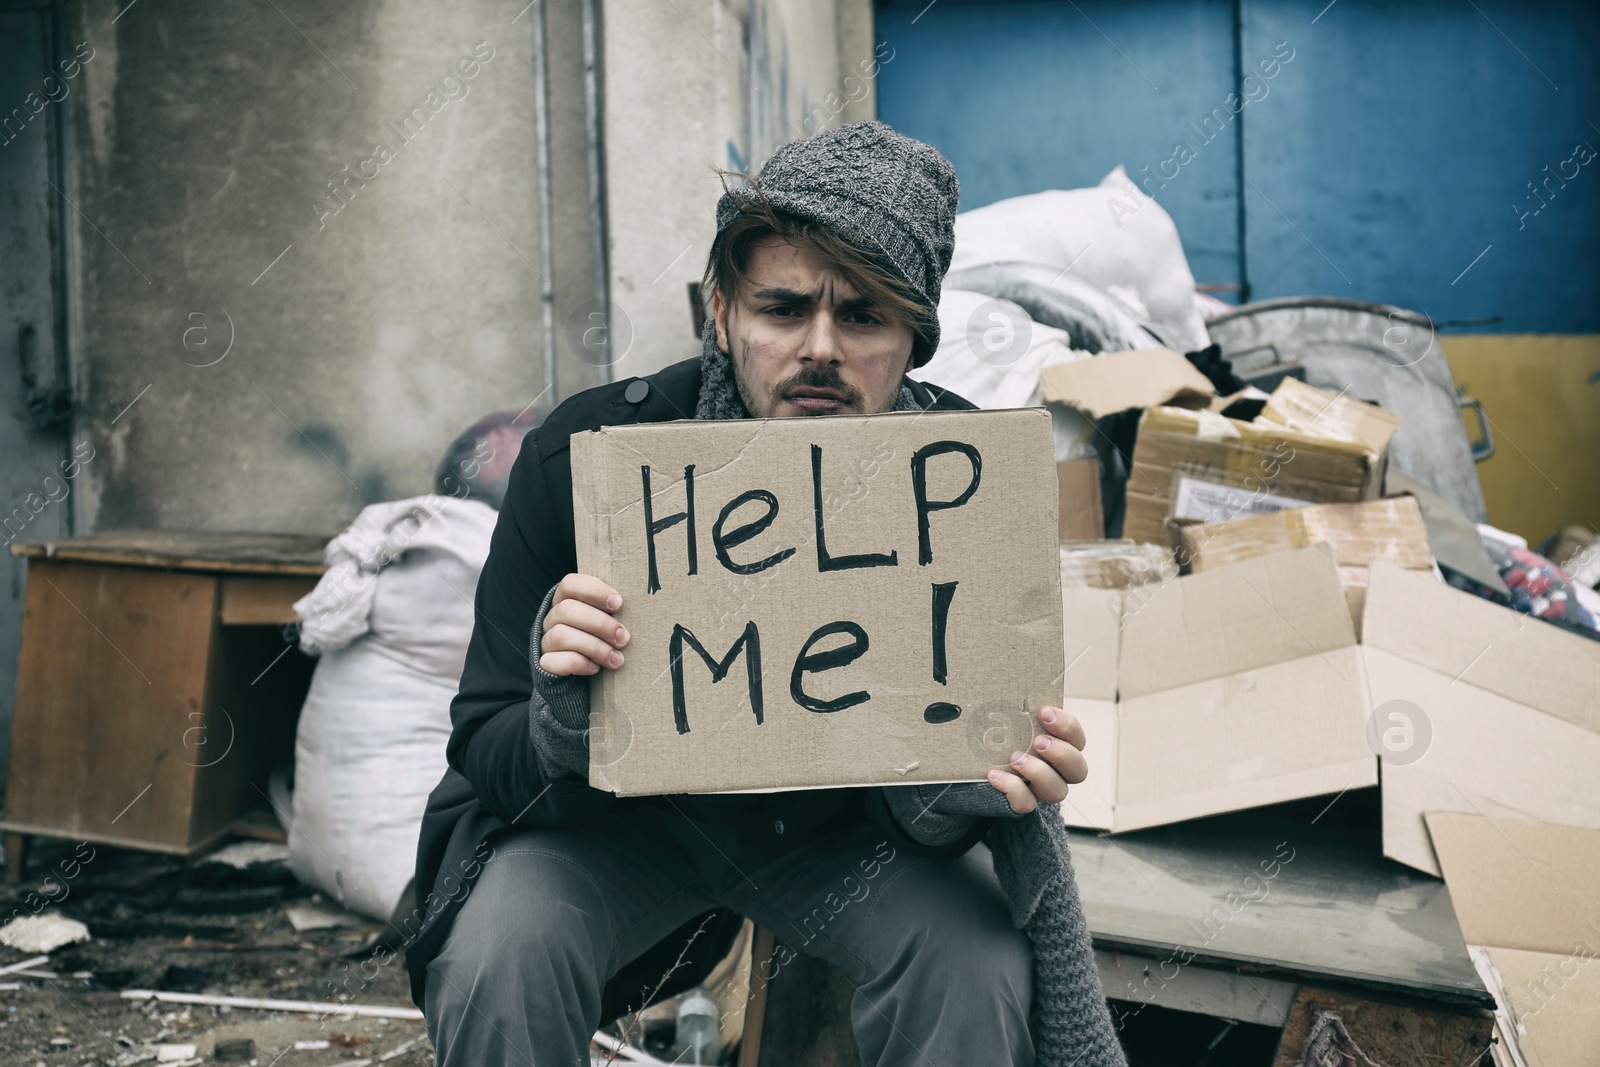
[866, 270]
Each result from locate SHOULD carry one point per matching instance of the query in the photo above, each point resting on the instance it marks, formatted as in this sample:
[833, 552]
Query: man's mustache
[818, 377]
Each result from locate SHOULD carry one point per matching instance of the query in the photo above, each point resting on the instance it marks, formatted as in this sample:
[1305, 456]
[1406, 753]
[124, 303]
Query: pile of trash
[1278, 577]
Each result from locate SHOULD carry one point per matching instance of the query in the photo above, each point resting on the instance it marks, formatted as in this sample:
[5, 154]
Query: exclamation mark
[941, 711]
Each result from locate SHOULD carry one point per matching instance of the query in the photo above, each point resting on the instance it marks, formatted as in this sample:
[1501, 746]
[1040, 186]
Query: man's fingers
[1042, 778]
[1018, 795]
[591, 620]
[590, 590]
[570, 639]
[1067, 761]
[566, 663]
[1063, 725]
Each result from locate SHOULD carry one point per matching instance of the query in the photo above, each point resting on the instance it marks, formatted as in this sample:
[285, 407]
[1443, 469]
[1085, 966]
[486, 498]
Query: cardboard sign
[834, 601]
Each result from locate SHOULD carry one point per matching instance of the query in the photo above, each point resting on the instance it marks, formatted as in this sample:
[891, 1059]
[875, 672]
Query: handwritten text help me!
[853, 600]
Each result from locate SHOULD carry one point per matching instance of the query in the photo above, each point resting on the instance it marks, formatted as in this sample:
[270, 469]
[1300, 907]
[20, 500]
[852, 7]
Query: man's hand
[1053, 762]
[580, 633]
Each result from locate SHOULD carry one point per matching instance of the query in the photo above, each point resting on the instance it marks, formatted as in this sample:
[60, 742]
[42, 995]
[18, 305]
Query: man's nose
[822, 344]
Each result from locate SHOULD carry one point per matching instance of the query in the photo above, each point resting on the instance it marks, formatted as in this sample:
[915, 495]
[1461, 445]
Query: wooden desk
[155, 689]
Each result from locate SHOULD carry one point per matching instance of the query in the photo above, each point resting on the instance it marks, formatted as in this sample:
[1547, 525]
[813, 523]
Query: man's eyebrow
[784, 296]
[780, 295]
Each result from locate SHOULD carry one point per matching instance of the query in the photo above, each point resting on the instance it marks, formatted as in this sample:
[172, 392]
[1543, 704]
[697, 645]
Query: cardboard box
[1499, 709]
[1524, 893]
[1193, 466]
[1234, 688]
[821, 602]
[1078, 486]
[1106, 385]
[1328, 414]
[1357, 533]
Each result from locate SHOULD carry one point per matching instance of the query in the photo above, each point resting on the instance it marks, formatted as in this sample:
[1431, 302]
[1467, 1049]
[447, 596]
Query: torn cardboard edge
[1120, 381]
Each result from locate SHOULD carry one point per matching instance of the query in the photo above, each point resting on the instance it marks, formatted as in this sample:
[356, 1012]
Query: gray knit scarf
[719, 393]
[1071, 1021]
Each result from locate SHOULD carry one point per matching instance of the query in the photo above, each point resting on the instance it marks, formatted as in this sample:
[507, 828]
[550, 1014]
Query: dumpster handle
[1481, 450]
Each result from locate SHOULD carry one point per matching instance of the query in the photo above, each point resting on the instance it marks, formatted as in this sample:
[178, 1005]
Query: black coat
[495, 781]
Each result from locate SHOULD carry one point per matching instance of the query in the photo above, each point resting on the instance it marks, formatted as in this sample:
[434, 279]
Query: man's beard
[813, 377]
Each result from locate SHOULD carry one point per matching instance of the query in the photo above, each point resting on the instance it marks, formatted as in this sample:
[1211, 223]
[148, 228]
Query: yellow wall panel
[1541, 393]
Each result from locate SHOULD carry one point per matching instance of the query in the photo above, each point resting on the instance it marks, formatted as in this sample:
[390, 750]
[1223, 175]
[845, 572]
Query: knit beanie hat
[896, 193]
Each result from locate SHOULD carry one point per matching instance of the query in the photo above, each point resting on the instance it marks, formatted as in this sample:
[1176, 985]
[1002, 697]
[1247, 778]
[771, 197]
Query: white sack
[1112, 235]
[991, 352]
[391, 618]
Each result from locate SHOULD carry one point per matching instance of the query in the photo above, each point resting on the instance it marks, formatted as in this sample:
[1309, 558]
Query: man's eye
[862, 318]
[782, 311]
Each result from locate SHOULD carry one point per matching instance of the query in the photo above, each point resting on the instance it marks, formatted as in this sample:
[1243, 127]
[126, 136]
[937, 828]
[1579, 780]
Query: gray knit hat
[867, 180]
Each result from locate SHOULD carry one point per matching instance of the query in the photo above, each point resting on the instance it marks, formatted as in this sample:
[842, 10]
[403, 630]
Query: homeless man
[967, 944]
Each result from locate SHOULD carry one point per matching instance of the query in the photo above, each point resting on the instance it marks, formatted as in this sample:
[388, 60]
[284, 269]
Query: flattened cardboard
[891, 637]
[1390, 529]
[1118, 381]
[1524, 893]
[1078, 483]
[1238, 687]
[1520, 884]
[1255, 459]
[1510, 703]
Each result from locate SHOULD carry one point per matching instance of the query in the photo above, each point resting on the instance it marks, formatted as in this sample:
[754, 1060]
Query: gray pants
[942, 977]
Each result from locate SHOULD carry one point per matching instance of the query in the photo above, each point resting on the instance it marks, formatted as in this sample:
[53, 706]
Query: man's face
[804, 342]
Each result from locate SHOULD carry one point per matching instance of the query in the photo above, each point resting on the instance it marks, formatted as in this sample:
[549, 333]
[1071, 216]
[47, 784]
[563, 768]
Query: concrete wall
[302, 295]
[690, 88]
[289, 300]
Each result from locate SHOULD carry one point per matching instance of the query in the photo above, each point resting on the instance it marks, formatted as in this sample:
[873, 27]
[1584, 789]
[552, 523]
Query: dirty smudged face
[804, 343]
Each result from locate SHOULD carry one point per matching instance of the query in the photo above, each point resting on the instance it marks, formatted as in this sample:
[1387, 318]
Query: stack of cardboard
[1199, 466]
[1276, 628]
[1311, 638]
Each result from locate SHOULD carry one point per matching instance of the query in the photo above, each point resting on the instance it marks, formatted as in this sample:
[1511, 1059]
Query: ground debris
[129, 900]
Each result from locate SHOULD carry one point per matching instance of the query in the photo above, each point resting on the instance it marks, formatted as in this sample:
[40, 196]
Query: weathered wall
[302, 295]
[690, 88]
[303, 298]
